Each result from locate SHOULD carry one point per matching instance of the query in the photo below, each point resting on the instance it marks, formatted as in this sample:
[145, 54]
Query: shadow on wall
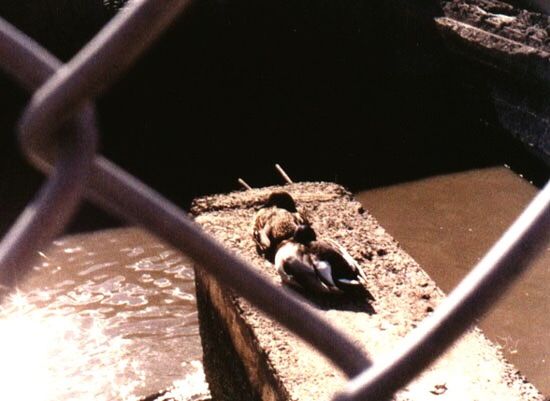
[358, 93]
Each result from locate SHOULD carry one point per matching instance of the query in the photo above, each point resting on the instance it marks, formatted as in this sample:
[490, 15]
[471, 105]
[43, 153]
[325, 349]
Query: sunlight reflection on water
[106, 316]
[54, 354]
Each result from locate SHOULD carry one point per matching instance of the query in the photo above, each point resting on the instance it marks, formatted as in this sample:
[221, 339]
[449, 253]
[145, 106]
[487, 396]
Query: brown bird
[320, 266]
[276, 222]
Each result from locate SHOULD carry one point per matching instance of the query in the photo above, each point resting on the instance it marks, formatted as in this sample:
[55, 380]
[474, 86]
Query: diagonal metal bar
[114, 189]
[31, 65]
[58, 199]
[24, 59]
[46, 216]
[96, 66]
[477, 292]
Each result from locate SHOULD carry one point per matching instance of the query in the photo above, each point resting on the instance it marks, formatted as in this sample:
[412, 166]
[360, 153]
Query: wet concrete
[447, 223]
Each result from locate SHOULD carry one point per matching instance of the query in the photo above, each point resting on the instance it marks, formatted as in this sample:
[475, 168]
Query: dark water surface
[105, 316]
[447, 223]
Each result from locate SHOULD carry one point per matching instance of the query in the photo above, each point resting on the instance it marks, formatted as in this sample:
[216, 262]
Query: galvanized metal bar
[31, 65]
[23, 59]
[56, 202]
[46, 216]
[477, 292]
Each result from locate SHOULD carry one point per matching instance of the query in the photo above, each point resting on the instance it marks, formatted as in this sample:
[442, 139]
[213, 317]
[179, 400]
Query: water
[447, 223]
[105, 316]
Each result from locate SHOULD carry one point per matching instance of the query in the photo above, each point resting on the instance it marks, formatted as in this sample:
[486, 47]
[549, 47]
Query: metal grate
[58, 134]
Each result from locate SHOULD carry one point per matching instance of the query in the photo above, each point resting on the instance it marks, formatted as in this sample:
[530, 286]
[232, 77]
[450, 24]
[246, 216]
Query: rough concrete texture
[281, 367]
[521, 110]
[503, 19]
[513, 41]
[523, 61]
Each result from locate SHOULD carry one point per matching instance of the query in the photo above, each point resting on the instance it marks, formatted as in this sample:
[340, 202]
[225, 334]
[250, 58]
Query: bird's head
[282, 200]
[304, 234]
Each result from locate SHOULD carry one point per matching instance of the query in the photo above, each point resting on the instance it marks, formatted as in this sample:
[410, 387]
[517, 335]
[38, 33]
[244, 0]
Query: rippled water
[105, 316]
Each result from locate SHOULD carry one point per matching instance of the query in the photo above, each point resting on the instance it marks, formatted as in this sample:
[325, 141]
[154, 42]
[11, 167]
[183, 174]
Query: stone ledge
[496, 51]
[279, 366]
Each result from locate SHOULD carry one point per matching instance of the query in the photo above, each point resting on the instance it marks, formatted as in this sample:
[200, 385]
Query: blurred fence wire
[58, 134]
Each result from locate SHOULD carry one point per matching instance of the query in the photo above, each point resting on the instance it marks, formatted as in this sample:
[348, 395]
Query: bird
[320, 266]
[275, 222]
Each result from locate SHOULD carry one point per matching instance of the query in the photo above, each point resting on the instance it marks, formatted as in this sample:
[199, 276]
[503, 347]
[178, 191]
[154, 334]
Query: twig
[283, 174]
[244, 184]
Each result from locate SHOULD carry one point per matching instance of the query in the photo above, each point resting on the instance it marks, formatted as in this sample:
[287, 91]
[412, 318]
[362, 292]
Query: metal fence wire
[58, 134]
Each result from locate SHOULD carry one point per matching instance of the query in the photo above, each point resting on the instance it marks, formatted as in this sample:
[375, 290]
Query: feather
[320, 265]
[276, 222]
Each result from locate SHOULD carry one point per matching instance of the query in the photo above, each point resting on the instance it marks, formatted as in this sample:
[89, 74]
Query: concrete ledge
[495, 50]
[278, 366]
[513, 43]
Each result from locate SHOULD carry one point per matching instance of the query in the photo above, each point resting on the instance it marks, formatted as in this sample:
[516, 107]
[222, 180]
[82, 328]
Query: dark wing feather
[261, 231]
[304, 275]
[345, 275]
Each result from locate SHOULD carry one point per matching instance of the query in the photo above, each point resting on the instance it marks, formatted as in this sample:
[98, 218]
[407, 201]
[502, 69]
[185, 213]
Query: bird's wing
[349, 259]
[346, 272]
[295, 267]
[324, 271]
[301, 218]
[261, 229]
[304, 275]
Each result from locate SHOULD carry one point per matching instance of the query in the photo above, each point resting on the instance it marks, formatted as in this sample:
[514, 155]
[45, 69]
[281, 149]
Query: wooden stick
[244, 184]
[283, 174]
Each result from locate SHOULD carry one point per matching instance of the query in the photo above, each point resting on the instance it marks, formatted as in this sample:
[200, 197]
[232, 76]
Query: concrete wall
[512, 44]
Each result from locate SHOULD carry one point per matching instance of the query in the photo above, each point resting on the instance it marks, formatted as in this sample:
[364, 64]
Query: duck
[320, 266]
[275, 222]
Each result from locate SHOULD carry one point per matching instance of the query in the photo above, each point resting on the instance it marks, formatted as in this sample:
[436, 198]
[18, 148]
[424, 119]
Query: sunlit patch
[49, 354]
[127, 299]
[182, 272]
[158, 262]
[146, 278]
[148, 264]
[65, 283]
[192, 387]
[75, 298]
[102, 322]
[174, 261]
[42, 254]
[39, 296]
[176, 292]
[133, 252]
[18, 300]
[162, 282]
[95, 267]
[73, 250]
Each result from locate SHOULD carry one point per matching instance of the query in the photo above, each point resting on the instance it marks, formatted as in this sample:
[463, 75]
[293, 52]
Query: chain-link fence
[58, 133]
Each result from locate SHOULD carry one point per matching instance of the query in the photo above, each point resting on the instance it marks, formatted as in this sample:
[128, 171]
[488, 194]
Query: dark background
[348, 91]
